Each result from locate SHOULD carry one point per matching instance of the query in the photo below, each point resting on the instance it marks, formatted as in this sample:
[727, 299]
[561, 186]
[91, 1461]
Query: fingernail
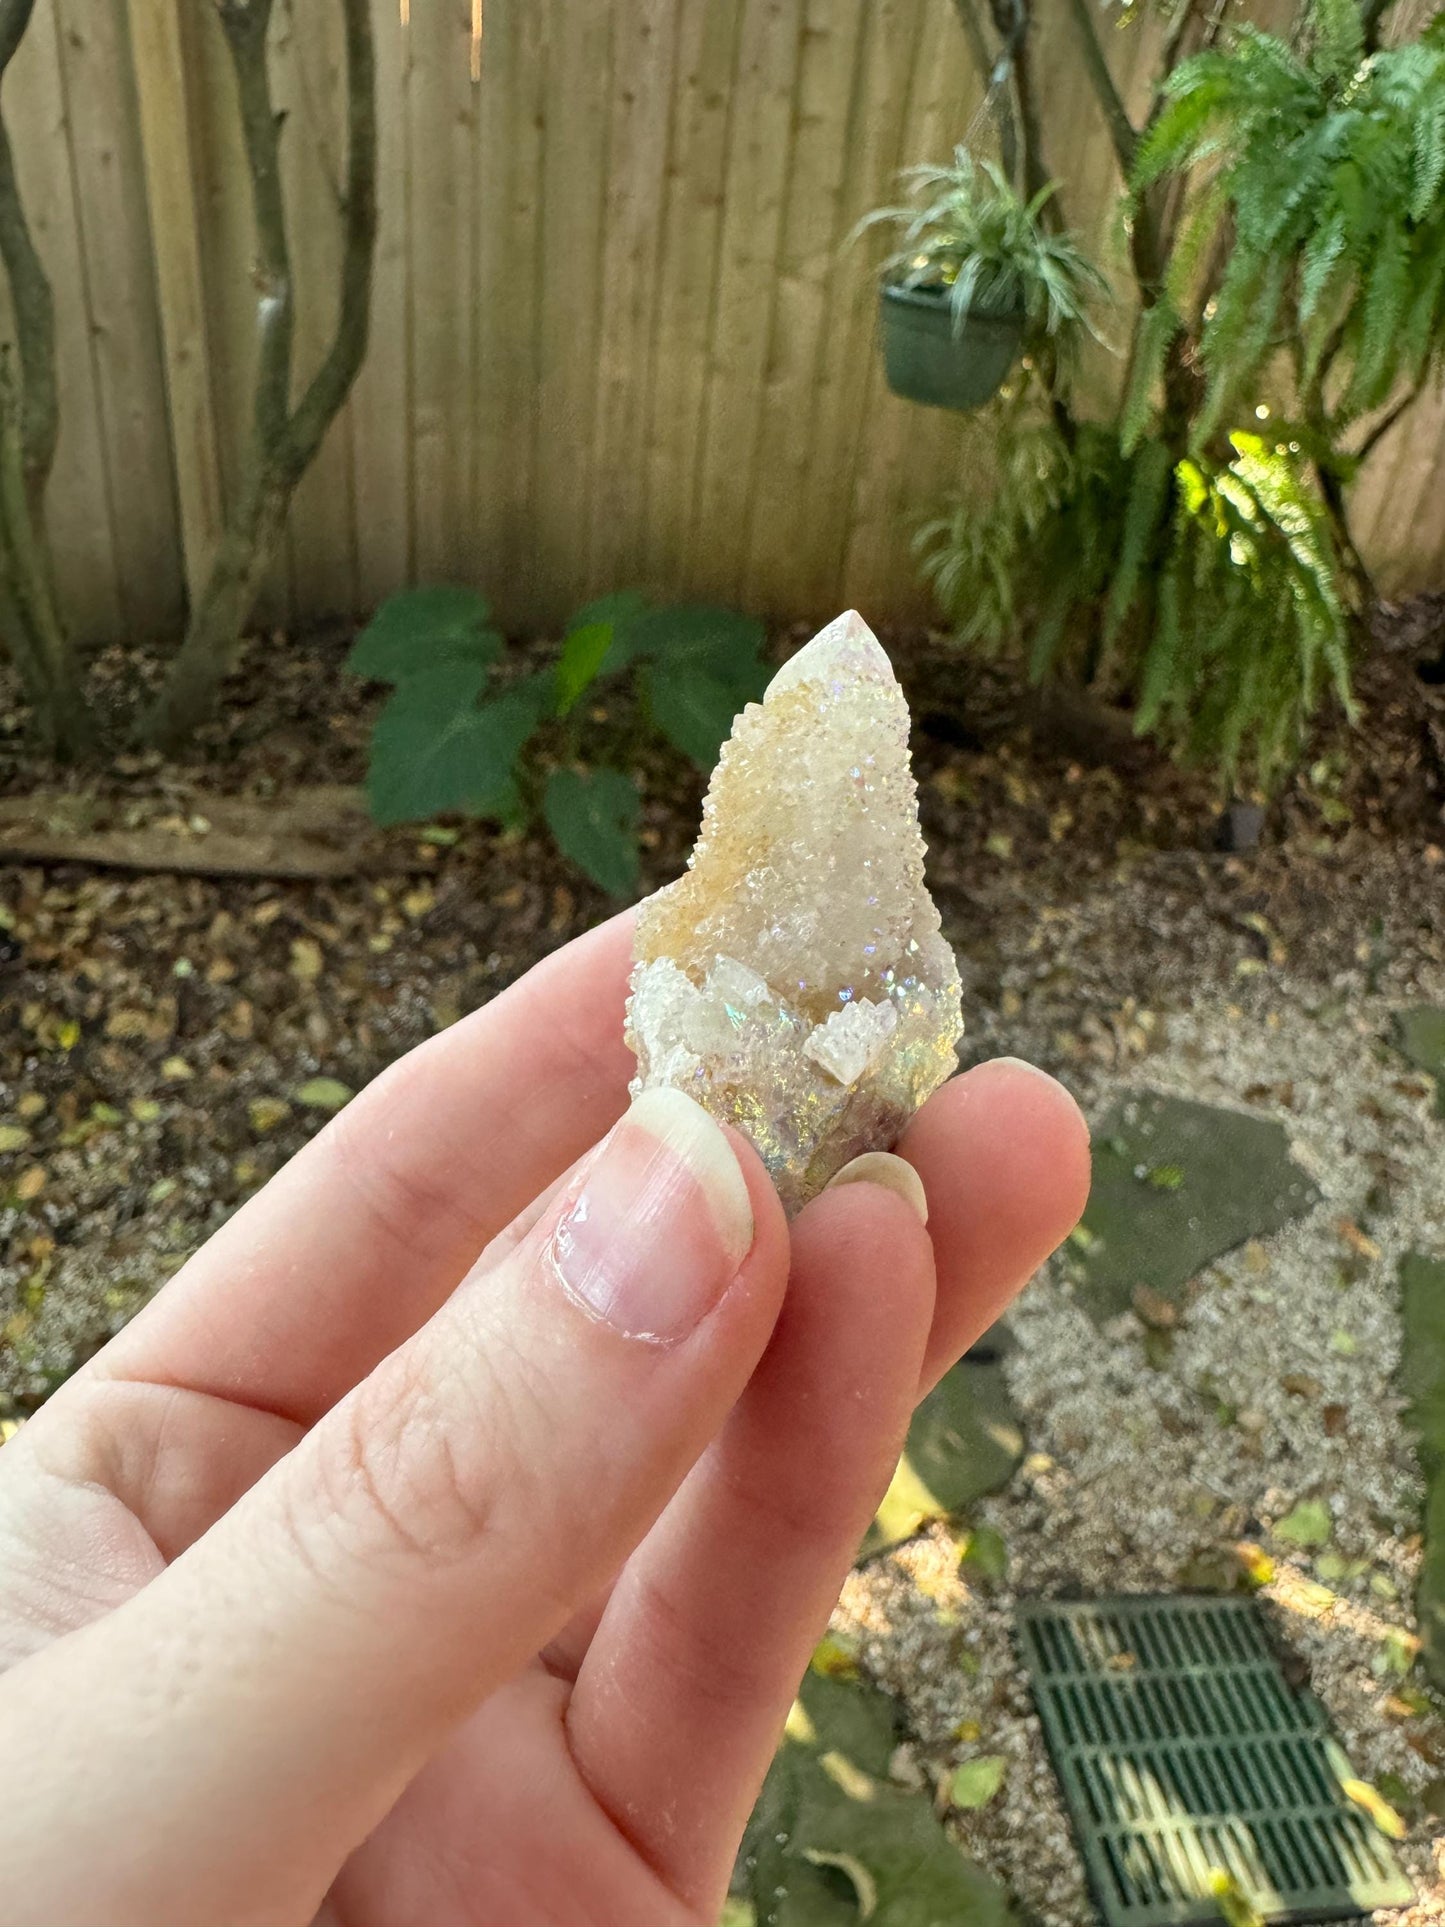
[662, 1222]
[894, 1174]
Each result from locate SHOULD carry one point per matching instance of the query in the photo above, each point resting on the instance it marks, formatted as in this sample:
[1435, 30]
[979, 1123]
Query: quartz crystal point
[795, 980]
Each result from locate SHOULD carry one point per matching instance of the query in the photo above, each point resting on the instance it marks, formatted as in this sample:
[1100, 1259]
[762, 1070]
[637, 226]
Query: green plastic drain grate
[1184, 1755]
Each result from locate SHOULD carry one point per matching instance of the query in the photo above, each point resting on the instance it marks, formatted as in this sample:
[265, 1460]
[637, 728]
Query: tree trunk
[43, 653]
[284, 441]
[191, 693]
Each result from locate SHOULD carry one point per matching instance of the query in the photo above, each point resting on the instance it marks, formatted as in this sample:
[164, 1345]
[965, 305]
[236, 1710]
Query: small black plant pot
[925, 360]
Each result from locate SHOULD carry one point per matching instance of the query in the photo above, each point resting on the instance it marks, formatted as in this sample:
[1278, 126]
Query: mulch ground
[167, 1041]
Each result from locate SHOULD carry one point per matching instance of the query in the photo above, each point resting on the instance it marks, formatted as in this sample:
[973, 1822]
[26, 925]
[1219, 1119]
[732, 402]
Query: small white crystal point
[847, 647]
[795, 981]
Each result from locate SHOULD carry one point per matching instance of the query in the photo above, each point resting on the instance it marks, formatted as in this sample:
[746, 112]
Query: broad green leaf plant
[466, 733]
[1284, 207]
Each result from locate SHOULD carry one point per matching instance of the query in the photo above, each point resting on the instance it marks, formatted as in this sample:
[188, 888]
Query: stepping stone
[1176, 1185]
[1420, 1034]
[965, 1442]
[1422, 1375]
[832, 1841]
[1200, 1785]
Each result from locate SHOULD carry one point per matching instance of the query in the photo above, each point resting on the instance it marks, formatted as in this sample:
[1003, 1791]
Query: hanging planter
[980, 270]
[942, 360]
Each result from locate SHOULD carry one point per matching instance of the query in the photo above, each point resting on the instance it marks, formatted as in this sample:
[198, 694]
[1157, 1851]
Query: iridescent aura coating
[795, 980]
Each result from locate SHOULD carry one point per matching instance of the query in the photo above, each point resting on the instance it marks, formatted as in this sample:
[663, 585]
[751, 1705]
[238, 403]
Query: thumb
[272, 1692]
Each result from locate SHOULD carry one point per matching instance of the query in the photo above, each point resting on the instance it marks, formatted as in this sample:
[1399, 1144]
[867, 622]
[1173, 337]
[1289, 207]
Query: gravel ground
[1279, 1383]
[158, 1035]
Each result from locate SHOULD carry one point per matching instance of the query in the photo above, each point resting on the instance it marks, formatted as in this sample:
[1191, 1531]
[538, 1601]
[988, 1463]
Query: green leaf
[412, 633]
[986, 1553]
[323, 1094]
[728, 645]
[433, 750]
[693, 709]
[619, 608]
[830, 1836]
[620, 611]
[583, 653]
[976, 1782]
[1308, 1525]
[593, 816]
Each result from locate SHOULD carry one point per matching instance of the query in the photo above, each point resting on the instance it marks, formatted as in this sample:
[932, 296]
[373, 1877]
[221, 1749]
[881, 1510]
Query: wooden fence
[617, 335]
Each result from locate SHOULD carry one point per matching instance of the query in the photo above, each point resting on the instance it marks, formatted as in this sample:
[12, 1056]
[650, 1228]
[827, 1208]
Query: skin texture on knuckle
[410, 1469]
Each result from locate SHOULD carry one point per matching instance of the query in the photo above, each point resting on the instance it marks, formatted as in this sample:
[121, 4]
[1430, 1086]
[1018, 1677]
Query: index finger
[354, 1244]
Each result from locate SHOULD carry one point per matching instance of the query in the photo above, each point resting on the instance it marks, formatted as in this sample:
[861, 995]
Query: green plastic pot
[926, 361]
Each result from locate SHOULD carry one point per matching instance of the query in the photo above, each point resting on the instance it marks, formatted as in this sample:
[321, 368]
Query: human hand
[382, 1572]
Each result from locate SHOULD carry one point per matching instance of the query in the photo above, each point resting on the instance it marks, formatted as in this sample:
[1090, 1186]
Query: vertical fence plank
[902, 441]
[170, 172]
[111, 216]
[439, 187]
[77, 501]
[309, 87]
[644, 42]
[380, 404]
[779, 514]
[845, 390]
[703, 97]
[760, 148]
[574, 175]
[511, 241]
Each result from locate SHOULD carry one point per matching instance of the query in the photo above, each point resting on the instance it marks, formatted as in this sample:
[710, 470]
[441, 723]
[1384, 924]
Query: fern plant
[1206, 591]
[1284, 207]
[969, 231]
[1327, 185]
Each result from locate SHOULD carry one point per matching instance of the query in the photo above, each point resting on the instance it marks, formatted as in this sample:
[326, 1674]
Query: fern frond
[1139, 540]
[1201, 224]
[1428, 155]
[1382, 316]
[1339, 38]
[1156, 330]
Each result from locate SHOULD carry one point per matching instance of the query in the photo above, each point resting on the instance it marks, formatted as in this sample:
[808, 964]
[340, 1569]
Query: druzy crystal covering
[795, 980]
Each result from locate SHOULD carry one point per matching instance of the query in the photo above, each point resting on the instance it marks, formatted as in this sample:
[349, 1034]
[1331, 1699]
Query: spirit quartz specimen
[795, 980]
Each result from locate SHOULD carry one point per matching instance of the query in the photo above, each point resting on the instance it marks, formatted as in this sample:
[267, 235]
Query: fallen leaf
[176, 1068]
[30, 1183]
[865, 1887]
[999, 845]
[13, 1137]
[307, 960]
[1345, 1343]
[1154, 1310]
[984, 1552]
[144, 1110]
[324, 1094]
[1308, 1525]
[976, 1782]
[1301, 1385]
[1336, 1419]
[835, 1657]
[1376, 1805]
[128, 1026]
[848, 1778]
[265, 1113]
[1362, 1245]
[32, 1104]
